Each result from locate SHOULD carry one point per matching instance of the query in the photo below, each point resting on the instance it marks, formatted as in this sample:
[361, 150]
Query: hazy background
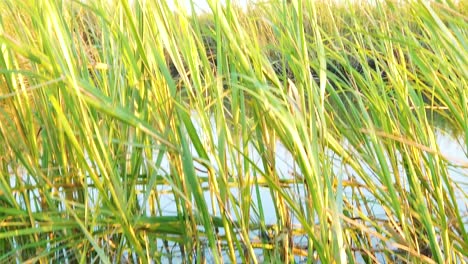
[202, 5]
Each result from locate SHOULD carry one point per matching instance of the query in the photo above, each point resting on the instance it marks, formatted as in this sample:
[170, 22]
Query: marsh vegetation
[290, 131]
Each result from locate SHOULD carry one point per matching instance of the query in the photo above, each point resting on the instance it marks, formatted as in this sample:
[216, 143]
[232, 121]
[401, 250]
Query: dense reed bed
[290, 131]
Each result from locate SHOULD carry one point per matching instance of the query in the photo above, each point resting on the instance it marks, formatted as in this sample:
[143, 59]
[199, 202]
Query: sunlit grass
[291, 131]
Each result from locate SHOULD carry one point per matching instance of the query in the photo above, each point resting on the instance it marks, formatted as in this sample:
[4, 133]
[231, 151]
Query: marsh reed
[285, 132]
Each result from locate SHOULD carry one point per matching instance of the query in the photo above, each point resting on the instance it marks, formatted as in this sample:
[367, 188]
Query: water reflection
[451, 145]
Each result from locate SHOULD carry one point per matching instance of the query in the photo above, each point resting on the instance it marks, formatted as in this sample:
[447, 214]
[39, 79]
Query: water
[285, 166]
[451, 148]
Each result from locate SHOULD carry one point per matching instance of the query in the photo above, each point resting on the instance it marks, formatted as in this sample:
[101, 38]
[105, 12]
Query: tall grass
[112, 110]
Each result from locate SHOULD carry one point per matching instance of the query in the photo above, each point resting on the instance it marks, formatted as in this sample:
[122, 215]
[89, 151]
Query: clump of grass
[110, 110]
